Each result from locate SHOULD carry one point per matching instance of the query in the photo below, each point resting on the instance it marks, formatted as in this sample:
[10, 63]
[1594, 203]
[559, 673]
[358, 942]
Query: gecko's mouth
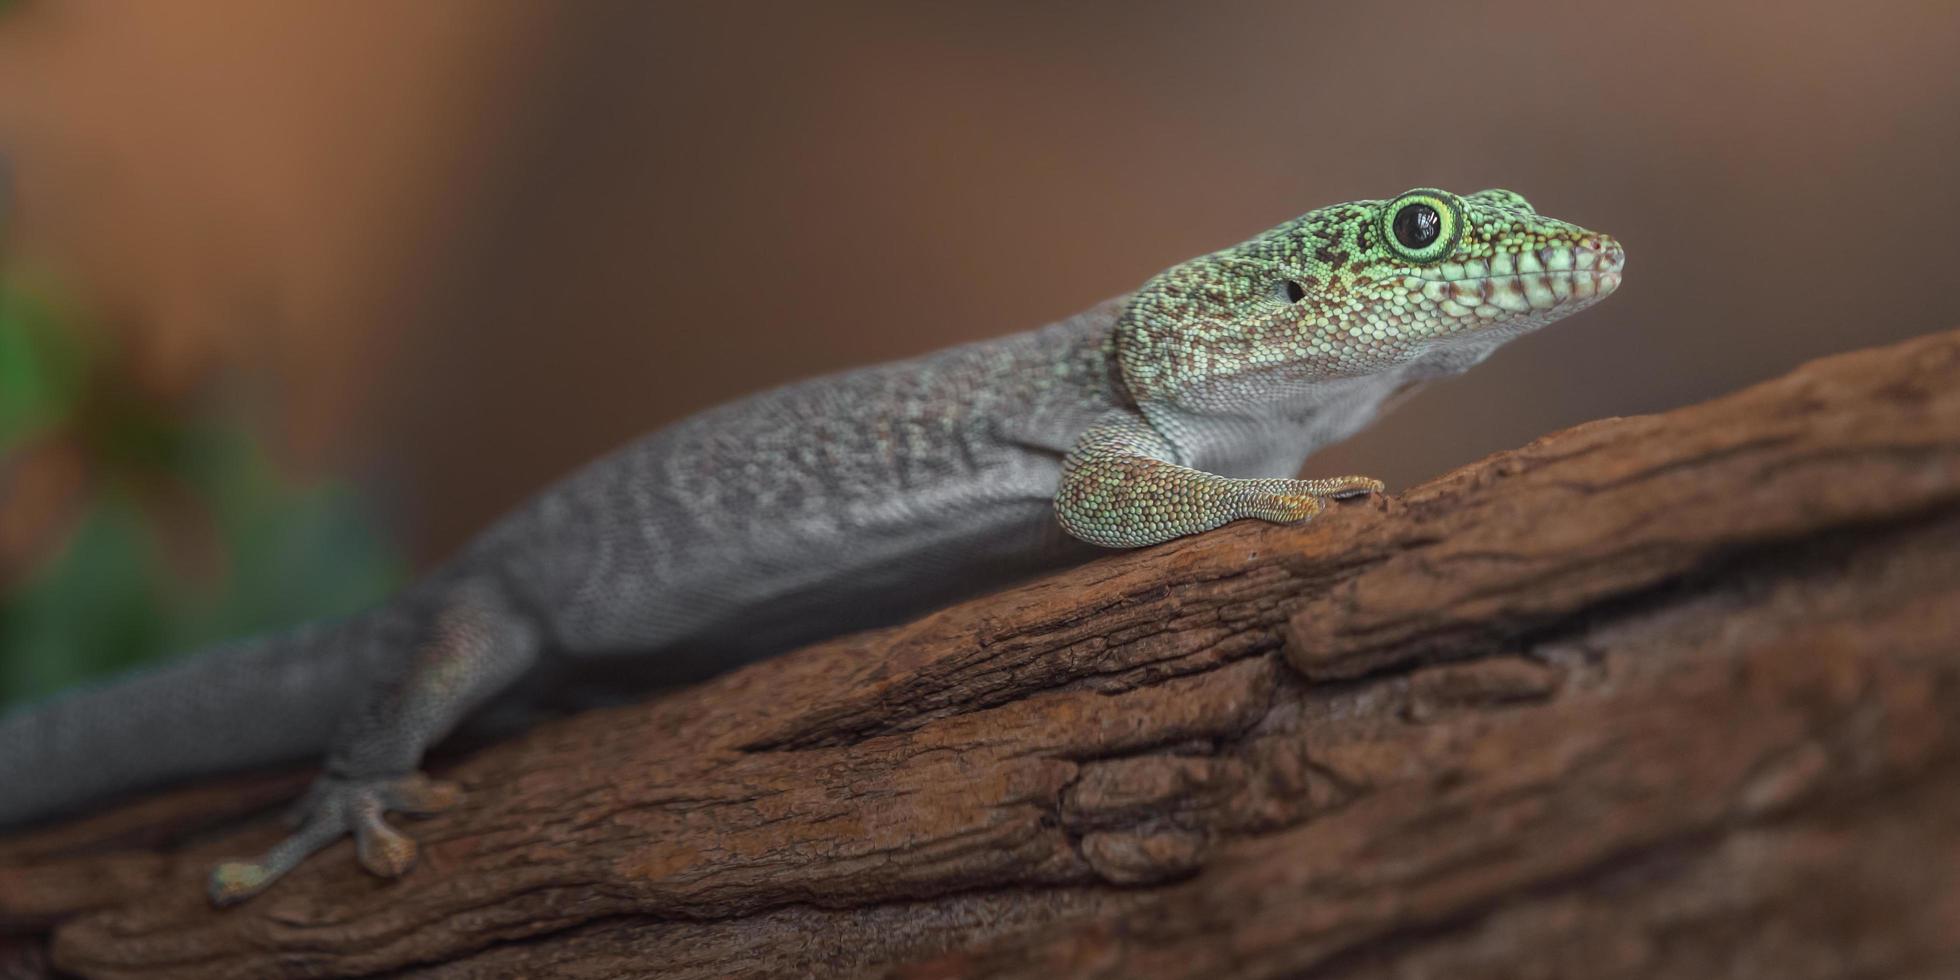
[1526, 282]
[1599, 254]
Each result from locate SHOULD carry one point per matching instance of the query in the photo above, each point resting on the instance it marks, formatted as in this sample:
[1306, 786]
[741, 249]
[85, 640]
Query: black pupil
[1417, 225]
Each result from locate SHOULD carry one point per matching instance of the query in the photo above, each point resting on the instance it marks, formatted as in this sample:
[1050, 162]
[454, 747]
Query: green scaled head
[1357, 289]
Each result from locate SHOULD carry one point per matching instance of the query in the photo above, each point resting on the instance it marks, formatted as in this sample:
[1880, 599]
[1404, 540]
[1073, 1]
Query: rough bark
[1659, 696]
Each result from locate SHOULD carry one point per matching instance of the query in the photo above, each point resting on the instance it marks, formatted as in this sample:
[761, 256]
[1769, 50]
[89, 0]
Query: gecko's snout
[1524, 283]
[1600, 259]
[1586, 269]
[1604, 256]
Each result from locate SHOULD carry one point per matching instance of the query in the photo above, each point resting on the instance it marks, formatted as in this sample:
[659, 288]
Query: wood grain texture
[1662, 696]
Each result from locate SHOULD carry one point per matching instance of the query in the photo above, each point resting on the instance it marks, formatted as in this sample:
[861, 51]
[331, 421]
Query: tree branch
[1669, 695]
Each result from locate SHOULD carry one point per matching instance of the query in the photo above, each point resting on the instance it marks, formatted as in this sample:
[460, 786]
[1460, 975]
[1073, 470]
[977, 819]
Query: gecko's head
[1358, 289]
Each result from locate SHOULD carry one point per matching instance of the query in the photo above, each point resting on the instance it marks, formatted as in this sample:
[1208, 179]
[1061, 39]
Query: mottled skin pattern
[840, 503]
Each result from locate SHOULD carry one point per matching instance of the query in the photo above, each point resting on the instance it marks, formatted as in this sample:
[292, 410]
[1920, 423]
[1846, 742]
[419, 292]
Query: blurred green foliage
[110, 594]
[41, 368]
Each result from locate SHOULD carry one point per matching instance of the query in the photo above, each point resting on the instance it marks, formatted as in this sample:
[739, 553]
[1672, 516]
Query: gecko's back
[817, 508]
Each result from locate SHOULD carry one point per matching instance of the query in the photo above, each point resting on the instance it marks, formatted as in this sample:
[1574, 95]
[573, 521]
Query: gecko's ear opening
[1503, 199]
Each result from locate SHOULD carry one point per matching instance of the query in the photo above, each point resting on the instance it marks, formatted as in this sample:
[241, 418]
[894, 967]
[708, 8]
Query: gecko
[841, 503]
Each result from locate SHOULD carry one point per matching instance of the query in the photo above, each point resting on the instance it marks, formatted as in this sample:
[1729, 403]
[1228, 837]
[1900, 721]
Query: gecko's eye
[1417, 225]
[1292, 290]
[1422, 226]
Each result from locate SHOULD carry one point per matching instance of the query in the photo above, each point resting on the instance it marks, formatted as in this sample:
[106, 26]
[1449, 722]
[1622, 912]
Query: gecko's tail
[251, 703]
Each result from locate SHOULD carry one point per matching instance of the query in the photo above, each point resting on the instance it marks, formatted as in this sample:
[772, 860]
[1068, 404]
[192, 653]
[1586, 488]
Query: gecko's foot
[333, 807]
[1345, 487]
[1294, 501]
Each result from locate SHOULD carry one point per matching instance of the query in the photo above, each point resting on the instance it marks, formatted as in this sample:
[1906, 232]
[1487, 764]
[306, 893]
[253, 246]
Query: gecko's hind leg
[477, 647]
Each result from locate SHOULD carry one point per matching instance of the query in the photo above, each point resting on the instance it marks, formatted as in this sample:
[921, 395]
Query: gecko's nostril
[1611, 255]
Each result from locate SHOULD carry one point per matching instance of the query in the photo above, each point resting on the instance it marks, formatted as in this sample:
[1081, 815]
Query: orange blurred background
[453, 248]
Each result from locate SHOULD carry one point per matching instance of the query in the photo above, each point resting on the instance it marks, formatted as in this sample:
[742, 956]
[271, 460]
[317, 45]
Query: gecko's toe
[1348, 487]
[383, 850]
[332, 809]
[235, 881]
[421, 796]
[232, 882]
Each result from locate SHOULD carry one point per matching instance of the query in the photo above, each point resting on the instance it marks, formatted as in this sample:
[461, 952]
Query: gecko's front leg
[477, 647]
[1121, 489]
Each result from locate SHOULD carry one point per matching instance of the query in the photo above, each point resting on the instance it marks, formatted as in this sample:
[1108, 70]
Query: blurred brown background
[456, 247]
